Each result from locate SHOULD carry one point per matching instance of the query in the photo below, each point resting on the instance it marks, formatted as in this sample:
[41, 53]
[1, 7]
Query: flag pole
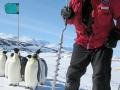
[13, 8]
[18, 26]
[18, 29]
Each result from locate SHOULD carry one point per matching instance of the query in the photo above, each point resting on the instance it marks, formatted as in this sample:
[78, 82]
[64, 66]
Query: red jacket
[102, 14]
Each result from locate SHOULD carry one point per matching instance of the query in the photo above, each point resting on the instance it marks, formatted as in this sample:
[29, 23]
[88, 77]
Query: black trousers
[100, 60]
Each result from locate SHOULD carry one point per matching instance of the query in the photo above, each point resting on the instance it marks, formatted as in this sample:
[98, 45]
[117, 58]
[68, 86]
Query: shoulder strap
[86, 11]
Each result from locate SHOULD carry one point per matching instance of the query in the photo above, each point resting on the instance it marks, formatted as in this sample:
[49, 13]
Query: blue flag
[12, 8]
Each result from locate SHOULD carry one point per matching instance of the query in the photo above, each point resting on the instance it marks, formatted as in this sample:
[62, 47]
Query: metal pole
[59, 53]
[67, 3]
[18, 31]
[18, 26]
[59, 57]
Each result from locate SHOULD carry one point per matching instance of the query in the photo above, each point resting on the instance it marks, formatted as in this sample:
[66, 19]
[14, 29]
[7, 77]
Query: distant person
[96, 35]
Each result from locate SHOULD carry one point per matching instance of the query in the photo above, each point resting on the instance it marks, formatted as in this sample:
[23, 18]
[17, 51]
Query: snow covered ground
[86, 82]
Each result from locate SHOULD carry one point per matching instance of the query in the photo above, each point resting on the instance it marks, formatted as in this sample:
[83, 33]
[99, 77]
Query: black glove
[67, 13]
[113, 38]
[116, 33]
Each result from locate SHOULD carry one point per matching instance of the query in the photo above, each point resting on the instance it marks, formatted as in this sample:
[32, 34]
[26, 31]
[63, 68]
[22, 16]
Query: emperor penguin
[14, 67]
[43, 71]
[42, 68]
[31, 71]
[3, 59]
[7, 63]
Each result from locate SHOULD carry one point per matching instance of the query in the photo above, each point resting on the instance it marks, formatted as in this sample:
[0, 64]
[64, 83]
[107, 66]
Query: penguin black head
[16, 50]
[12, 54]
[35, 56]
[4, 52]
[29, 56]
[38, 51]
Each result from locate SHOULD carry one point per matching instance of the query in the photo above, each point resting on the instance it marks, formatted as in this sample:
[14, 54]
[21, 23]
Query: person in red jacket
[96, 35]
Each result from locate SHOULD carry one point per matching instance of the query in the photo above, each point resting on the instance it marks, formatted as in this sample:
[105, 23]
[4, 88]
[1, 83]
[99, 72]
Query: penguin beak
[38, 51]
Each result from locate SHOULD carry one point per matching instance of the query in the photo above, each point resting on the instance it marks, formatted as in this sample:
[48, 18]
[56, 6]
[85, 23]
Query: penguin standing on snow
[14, 67]
[3, 59]
[42, 68]
[35, 71]
[31, 71]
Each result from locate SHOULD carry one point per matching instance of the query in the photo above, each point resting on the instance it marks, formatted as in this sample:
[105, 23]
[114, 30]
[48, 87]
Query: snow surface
[86, 81]
[50, 57]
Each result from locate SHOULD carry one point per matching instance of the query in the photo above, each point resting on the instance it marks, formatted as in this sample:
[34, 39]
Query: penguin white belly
[14, 76]
[6, 67]
[2, 65]
[42, 73]
[31, 71]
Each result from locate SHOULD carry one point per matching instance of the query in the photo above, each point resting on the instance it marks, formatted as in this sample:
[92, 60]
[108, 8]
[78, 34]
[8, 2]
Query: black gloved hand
[113, 38]
[67, 13]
